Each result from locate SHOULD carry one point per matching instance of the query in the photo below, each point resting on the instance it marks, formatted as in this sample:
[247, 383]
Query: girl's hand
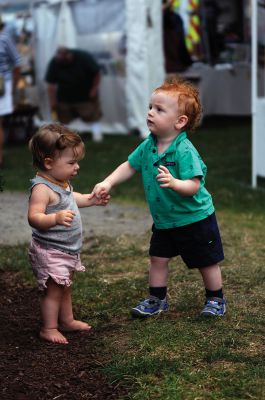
[64, 217]
[99, 201]
[165, 177]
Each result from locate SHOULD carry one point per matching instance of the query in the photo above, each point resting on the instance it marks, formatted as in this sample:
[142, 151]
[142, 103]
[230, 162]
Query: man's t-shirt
[75, 79]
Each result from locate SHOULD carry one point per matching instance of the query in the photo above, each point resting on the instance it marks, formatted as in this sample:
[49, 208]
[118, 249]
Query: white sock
[96, 129]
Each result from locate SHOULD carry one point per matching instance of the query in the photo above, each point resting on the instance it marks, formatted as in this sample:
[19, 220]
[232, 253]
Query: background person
[173, 175]
[211, 39]
[73, 78]
[177, 56]
[10, 62]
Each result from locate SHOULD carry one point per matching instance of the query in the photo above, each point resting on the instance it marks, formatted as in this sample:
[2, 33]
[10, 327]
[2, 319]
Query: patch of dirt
[32, 369]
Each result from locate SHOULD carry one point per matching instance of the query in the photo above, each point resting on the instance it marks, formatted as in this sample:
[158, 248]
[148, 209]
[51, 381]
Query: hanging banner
[189, 10]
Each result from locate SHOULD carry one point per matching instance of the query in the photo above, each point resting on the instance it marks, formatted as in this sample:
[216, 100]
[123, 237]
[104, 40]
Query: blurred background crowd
[206, 41]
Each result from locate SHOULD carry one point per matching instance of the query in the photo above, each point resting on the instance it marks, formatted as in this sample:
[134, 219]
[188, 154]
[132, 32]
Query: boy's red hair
[188, 99]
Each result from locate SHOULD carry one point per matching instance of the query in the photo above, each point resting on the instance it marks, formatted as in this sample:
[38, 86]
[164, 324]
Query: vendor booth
[218, 38]
[123, 36]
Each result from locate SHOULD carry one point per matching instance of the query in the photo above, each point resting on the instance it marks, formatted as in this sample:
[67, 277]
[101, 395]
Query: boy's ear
[181, 122]
[48, 162]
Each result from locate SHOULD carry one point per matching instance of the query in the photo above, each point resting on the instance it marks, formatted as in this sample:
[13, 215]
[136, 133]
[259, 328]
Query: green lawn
[178, 355]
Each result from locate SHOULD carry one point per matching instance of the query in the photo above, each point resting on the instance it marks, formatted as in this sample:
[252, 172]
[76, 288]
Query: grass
[178, 355]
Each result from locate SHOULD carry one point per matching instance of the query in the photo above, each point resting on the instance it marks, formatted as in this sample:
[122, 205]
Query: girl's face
[64, 166]
[162, 116]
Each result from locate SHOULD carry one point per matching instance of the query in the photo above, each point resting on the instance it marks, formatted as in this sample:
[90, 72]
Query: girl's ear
[48, 163]
[181, 122]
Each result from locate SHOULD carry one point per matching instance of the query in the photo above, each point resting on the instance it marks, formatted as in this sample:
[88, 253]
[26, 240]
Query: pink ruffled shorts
[52, 263]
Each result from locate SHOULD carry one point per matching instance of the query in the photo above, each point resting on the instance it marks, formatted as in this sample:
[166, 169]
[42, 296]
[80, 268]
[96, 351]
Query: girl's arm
[88, 200]
[40, 198]
[119, 175]
[188, 187]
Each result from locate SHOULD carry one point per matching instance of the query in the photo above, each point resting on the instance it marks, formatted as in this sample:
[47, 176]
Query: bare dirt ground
[31, 369]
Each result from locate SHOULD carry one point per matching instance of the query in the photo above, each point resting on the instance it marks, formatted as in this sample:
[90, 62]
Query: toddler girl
[56, 226]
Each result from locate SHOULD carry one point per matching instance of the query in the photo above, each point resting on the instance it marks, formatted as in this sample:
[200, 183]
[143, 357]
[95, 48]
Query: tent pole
[254, 50]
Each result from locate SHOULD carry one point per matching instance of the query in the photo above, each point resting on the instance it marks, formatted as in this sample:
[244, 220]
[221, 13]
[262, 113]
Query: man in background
[9, 73]
[73, 78]
[177, 57]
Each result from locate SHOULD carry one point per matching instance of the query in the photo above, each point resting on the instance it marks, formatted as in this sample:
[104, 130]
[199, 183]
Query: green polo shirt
[168, 208]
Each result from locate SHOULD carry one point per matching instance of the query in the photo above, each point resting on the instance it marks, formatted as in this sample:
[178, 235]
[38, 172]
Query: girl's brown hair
[188, 99]
[50, 140]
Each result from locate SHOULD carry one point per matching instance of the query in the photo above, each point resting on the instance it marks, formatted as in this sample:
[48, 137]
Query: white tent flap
[65, 34]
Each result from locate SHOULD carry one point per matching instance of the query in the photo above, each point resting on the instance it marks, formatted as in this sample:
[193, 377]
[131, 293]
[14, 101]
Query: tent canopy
[9, 3]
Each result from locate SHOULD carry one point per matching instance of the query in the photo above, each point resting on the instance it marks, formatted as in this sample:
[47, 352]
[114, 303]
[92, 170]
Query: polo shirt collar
[172, 146]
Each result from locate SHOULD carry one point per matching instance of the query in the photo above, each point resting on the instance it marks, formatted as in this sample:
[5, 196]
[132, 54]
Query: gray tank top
[66, 239]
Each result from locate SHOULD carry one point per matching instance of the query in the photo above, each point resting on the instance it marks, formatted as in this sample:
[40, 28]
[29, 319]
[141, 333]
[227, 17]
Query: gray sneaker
[214, 306]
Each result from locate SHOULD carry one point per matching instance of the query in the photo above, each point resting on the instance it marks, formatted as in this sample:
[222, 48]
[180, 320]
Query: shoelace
[214, 304]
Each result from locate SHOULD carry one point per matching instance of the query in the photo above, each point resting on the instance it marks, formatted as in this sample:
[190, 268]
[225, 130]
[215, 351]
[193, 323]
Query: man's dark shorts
[89, 111]
[199, 244]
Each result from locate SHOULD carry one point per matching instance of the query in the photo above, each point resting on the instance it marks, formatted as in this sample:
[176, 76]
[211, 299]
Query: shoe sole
[141, 314]
[210, 314]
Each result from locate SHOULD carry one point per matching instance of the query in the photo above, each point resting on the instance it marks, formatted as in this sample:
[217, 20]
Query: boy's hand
[188, 187]
[102, 189]
[165, 177]
[64, 217]
[99, 201]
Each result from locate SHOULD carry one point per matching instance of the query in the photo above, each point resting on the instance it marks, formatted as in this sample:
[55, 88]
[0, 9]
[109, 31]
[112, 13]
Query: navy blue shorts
[199, 244]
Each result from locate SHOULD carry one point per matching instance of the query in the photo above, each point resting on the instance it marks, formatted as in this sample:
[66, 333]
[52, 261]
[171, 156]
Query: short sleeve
[11, 51]
[135, 159]
[50, 76]
[190, 165]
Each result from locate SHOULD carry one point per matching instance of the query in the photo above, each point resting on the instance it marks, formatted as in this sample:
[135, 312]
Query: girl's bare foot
[52, 335]
[75, 325]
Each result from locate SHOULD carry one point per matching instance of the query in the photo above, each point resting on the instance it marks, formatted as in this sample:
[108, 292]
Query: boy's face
[64, 166]
[162, 117]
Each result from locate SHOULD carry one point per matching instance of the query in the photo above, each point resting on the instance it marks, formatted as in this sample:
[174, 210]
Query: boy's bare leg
[212, 277]
[50, 305]
[66, 317]
[158, 272]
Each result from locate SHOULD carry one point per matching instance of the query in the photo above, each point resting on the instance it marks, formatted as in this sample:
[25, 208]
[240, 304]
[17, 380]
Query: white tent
[125, 36]
[258, 92]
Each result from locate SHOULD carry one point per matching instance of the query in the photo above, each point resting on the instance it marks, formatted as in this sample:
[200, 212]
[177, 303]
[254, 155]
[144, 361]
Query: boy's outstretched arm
[119, 175]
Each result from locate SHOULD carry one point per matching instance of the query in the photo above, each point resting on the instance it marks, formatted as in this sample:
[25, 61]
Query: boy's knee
[159, 261]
